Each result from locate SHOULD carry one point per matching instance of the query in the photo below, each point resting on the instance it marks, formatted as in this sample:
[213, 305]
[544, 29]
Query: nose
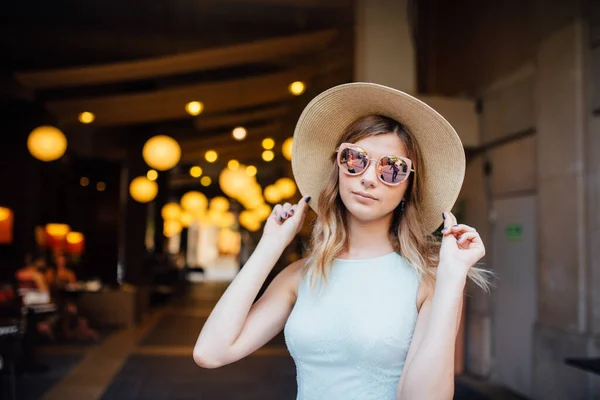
[369, 177]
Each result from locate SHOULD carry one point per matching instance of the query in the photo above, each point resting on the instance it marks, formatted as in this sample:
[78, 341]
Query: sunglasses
[391, 170]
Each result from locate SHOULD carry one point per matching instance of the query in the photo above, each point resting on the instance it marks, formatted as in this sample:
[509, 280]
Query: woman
[374, 310]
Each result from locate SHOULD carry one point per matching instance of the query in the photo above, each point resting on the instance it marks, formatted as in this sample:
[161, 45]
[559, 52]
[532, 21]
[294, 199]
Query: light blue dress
[349, 337]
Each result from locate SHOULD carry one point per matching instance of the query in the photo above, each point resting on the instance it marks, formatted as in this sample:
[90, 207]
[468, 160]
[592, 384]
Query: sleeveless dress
[349, 337]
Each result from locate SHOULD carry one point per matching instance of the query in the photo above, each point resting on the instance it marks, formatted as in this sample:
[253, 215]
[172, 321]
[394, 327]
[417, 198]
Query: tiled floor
[154, 362]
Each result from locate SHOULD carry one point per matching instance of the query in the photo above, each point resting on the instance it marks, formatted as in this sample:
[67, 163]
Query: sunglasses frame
[344, 146]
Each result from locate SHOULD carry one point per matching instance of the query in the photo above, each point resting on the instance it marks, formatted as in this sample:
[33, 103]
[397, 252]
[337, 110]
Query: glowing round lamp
[251, 170]
[297, 88]
[268, 143]
[195, 171]
[75, 242]
[194, 107]
[268, 155]
[249, 221]
[233, 164]
[86, 117]
[219, 203]
[186, 219]
[239, 133]
[286, 148]
[170, 211]
[6, 225]
[74, 237]
[58, 230]
[286, 187]
[205, 181]
[161, 152]
[152, 175]
[211, 156]
[5, 213]
[172, 227]
[263, 211]
[251, 201]
[47, 143]
[142, 189]
[234, 182]
[272, 194]
[194, 202]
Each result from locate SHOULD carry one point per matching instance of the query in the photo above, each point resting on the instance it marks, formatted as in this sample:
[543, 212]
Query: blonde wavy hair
[406, 233]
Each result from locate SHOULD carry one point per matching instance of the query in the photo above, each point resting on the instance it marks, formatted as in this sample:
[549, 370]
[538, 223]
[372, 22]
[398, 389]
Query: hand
[461, 249]
[286, 221]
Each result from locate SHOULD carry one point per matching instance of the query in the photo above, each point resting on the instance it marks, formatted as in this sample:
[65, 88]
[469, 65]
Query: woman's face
[365, 196]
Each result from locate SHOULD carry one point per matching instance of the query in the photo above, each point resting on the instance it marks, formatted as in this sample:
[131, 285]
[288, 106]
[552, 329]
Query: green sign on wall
[514, 232]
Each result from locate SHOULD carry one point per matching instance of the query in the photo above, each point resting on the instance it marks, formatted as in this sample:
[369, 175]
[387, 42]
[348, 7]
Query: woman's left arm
[429, 368]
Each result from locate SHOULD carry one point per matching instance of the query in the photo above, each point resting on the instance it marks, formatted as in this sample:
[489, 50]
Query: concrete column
[564, 326]
[384, 47]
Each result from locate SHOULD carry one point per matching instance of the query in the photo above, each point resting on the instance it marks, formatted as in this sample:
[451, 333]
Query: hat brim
[327, 116]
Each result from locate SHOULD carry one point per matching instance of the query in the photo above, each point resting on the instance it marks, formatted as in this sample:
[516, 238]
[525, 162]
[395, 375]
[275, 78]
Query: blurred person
[72, 325]
[34, 289]
[374, 310]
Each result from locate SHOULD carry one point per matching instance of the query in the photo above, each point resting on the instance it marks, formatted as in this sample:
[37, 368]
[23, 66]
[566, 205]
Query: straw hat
[327, 116]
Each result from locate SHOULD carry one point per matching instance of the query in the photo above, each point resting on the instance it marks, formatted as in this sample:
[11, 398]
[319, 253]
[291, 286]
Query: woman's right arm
[236, 327]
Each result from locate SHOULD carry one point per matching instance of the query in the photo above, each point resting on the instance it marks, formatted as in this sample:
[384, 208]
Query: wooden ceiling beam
[220, 57]
[169, 104]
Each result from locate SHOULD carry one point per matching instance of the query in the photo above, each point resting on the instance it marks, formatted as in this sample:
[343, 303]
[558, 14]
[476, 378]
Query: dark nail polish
[307, 199]
[444, 215]
[284, 215]
[291, 211]
[454, 225]
[279, 218]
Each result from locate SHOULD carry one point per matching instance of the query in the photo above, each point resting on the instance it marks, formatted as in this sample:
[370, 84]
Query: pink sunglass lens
[353, 160]
[393, 170]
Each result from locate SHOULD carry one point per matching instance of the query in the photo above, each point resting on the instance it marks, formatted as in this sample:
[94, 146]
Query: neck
[368, 239]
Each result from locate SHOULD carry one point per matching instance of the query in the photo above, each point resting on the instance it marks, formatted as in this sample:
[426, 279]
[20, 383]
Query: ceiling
[136, 64]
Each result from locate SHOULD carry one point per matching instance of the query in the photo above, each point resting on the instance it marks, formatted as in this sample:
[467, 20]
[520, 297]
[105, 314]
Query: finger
[469, 237]
[453, 220]
[302, 205]
[276, 213]
[285, 212]
[449, 220]
[462, 228]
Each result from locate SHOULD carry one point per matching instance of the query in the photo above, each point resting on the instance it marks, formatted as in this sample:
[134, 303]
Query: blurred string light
[233, 164]
[196, 171]
[152, 175]
[268, 155]
[205, 181]
[297, 88]
[86, 117]
[100, 186]
[239, 133]
[268, 144]
[194, 107]
[251, 170]
[84, 181]
[211, 156]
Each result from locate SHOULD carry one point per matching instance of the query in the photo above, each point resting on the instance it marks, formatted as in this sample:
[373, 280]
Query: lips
[365, 195]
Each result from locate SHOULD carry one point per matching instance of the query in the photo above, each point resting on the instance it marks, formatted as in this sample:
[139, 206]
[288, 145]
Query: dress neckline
[362, 260]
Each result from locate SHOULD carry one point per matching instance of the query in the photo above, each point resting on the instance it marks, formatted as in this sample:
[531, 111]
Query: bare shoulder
[292, 275]
[426, 287]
